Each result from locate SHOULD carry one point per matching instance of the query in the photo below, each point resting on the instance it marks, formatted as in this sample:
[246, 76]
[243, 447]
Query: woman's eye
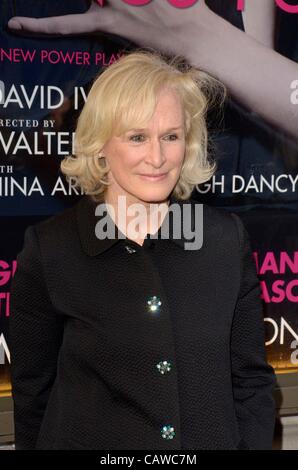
[135, 138]
[141, 137]
[172, 135]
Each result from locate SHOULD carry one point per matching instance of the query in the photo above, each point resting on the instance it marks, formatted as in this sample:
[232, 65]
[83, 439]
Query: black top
[120, 346]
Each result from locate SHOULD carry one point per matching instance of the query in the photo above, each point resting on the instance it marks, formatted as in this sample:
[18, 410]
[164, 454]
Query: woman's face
[158, 149]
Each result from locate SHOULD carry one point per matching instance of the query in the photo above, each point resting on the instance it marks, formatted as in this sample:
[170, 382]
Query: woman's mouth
[150, 177]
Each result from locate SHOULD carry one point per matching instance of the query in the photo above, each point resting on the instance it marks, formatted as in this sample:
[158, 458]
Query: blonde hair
[123, 97]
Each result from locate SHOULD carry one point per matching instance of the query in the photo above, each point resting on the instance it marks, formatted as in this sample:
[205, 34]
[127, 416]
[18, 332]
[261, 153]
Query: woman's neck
[136, 218]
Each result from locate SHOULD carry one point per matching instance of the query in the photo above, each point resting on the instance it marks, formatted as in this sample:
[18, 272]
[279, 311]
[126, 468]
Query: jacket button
[154, 304]
[168, 432]
[163, 367]
[129, 249]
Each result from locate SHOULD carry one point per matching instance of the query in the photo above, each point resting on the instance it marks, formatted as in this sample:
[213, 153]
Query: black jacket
[87, 352]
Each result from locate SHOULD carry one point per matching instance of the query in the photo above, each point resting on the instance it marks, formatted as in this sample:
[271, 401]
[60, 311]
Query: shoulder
[219, 222]
[60, 222]
[54, 234]
[57, 224]
[227, 238]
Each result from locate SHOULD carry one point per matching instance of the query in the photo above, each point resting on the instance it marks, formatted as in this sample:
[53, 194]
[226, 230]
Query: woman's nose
[155, 154]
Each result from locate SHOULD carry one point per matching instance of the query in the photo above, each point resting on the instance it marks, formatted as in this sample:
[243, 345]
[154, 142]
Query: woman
[140, 339]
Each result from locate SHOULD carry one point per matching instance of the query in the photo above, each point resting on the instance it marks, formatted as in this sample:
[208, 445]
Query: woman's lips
[154, 178]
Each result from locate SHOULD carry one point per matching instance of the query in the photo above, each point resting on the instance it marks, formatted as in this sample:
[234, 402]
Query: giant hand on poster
[256, 75]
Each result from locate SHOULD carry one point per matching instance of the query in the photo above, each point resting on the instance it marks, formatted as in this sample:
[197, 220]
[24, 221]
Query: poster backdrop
[48, 62]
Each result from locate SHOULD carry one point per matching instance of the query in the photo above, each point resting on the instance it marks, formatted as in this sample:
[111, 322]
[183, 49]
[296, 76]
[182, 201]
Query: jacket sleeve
[253, 378]
[35, 334]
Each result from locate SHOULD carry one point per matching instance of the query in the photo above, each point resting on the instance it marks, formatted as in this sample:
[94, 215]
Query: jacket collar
[86, 221]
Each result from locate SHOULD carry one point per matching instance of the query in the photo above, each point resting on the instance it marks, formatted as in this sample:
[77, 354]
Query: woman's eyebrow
[145, 129]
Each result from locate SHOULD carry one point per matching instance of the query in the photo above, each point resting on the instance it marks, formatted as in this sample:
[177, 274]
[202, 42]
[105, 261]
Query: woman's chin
[154, 195]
